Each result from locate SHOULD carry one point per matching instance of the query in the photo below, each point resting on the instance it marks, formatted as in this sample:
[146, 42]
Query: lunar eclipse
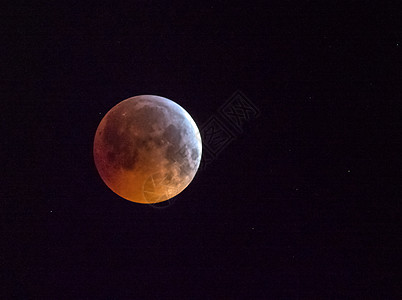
[147, 149]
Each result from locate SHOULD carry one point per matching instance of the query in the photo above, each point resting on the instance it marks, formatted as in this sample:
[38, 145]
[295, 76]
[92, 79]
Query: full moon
[147, 149]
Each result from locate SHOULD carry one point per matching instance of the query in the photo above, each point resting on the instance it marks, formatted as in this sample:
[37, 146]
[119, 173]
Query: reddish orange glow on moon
[147, 149]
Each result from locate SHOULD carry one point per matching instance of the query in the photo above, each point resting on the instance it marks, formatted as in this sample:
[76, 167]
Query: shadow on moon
[147, 149]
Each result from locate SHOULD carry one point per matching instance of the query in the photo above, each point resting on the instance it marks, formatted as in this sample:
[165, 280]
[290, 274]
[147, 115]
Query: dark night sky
[303, 204]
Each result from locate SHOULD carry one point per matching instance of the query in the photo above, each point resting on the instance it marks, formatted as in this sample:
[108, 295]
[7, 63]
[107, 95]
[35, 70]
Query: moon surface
[147, 149]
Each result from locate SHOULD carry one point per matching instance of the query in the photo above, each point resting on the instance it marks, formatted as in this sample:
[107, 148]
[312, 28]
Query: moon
[147, 149]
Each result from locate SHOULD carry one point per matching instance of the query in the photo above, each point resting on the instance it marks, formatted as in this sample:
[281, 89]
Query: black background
[304, 204]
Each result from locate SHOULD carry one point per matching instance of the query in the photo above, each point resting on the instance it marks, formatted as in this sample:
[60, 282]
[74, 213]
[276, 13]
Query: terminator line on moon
[147, 149]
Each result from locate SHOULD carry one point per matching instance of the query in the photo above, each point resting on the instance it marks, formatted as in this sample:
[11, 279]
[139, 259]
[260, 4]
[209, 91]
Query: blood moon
[147, 149]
